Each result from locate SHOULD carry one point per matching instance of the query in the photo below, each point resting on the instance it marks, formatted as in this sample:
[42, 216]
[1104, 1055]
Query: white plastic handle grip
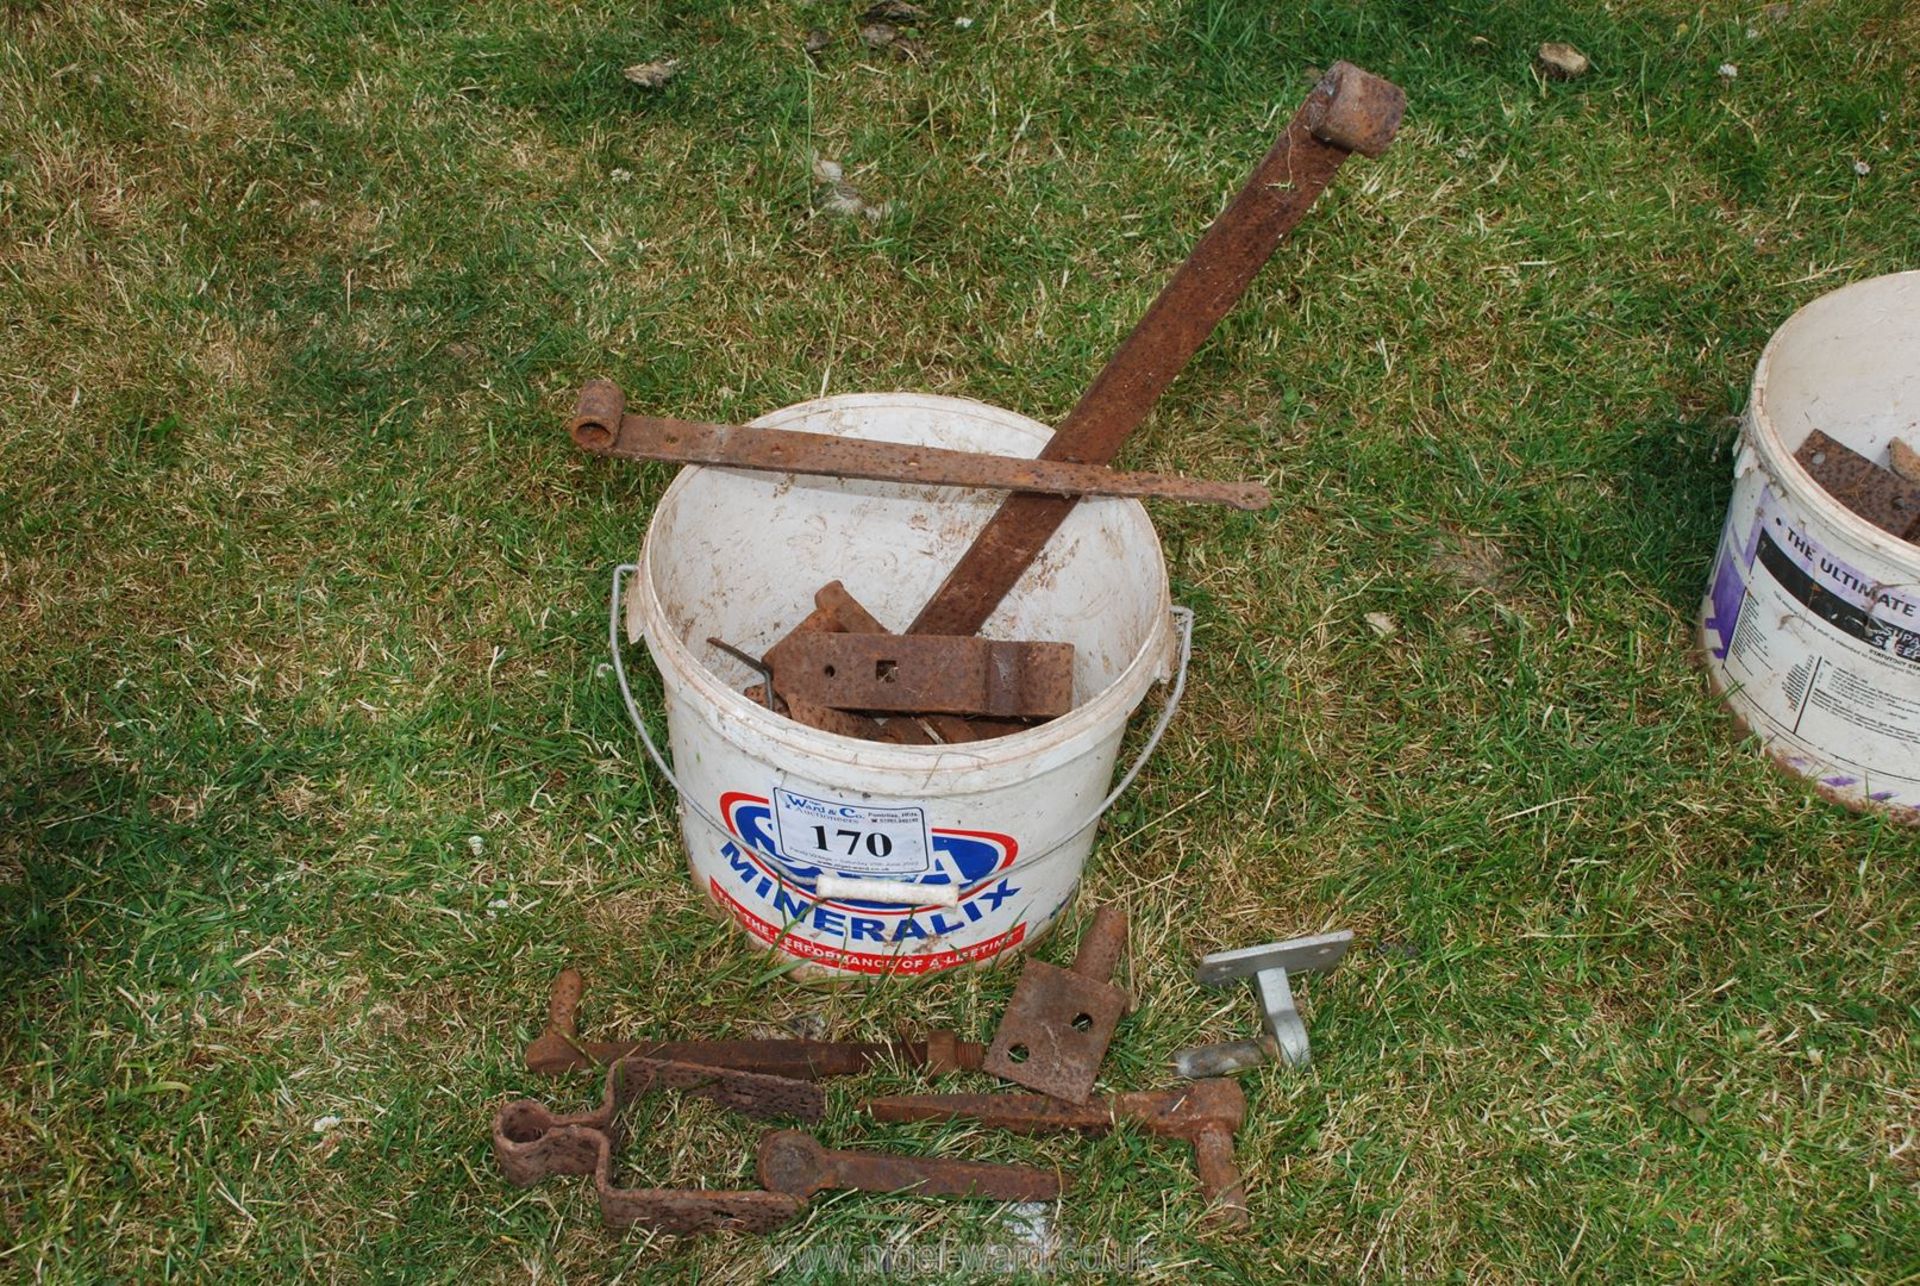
[829, 885]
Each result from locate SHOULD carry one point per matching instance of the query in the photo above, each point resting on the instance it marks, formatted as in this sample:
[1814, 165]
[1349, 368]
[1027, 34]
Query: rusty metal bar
[925, 673]
[734, 446]
[560, 1049]
[1350, 110]
[837, 611]
[842, 614]
[793, 1162]
[1205, 1114]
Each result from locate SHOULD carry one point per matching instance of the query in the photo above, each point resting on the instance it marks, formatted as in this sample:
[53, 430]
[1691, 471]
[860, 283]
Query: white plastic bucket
[985, 841]
[1811, 624]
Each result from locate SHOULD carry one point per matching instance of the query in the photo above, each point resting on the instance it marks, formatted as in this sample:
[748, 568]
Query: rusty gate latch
[1269, 967]
[1060, 1021]
[532, 1142]
[1206, 1115]
[560, 1049]
[925, 674]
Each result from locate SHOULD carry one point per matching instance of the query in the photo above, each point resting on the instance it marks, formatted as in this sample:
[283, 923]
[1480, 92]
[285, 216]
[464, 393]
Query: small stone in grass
[808, 1025]
[1382, 624]
[839, 197]
[897, 12]
[1474, 561]
[321, 1124]
[844, 200]
[878, 35]
[1561, 62]
[1904, 460]
[1862, 168]
[1728, 71]
[1689, 1109]
[1031, 1224]
[817, 40]
[654, 74]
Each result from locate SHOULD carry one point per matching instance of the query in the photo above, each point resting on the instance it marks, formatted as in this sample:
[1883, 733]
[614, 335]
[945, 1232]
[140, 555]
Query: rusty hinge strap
[649, 437]
[1349, 110]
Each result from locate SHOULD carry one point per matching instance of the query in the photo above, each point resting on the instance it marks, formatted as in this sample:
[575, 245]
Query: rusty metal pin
[794, 1162]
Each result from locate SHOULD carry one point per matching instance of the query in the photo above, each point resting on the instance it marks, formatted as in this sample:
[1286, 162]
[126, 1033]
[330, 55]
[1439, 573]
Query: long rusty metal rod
[1206, 1115]
[1349, 111]
[793, 1162]
[736, 446]
[560, 1049]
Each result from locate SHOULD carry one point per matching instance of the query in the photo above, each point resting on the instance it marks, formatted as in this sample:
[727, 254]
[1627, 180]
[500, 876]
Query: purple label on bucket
[1729, 588]
[1729, 591]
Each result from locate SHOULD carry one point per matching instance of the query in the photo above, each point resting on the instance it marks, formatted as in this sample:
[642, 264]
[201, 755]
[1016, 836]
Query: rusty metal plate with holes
[532, 1142]
[1059, 1023]
[1879, 495]
[835, 611]
[948, 729]
[925, 674]
[793, 1162]
[650, 437]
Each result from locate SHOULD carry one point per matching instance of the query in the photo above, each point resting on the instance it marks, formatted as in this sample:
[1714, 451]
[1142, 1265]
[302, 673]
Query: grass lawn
[311, 776]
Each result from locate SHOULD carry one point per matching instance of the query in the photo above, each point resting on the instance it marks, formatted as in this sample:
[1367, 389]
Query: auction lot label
[851, 838]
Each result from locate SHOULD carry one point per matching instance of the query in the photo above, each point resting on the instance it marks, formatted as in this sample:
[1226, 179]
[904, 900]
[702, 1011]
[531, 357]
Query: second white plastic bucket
[984, 841]
[1811, 623]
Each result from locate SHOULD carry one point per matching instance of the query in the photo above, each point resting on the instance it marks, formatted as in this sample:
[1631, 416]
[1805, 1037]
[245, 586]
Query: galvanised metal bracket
[1269, 967]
